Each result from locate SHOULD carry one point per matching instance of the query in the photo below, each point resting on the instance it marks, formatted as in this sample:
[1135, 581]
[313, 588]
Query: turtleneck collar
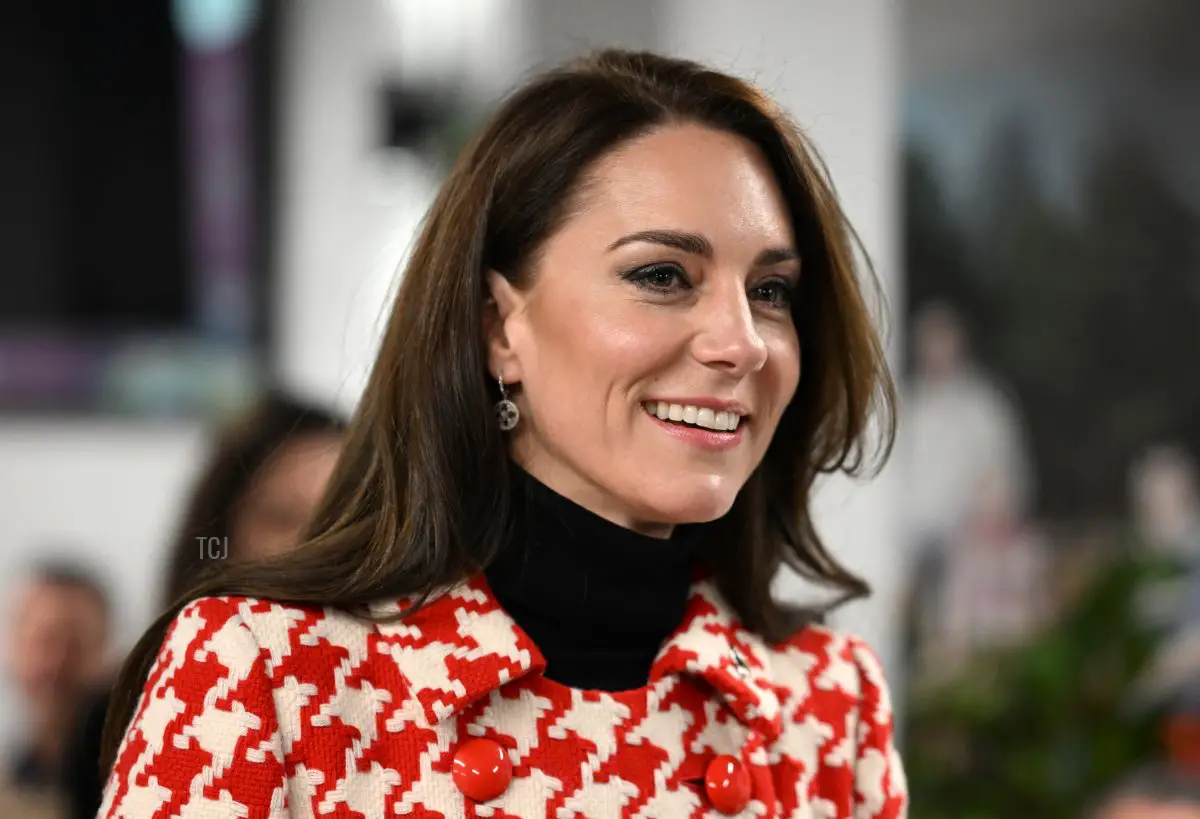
[596, 598]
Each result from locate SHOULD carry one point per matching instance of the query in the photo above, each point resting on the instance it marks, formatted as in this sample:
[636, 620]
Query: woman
[263, 479]
[539, 582]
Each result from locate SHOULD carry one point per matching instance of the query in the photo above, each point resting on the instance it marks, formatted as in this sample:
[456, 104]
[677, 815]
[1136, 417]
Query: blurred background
[1051, 221]
[208, 201]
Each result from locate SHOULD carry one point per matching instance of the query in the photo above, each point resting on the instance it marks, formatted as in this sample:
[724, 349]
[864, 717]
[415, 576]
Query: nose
[727, 338]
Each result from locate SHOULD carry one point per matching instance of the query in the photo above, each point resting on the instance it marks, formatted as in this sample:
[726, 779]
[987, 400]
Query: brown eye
[776, 293]
[660, 278]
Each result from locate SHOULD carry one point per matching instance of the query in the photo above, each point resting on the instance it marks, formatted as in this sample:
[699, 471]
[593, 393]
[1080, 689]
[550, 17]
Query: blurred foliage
[1088, 310]
[1043, 728]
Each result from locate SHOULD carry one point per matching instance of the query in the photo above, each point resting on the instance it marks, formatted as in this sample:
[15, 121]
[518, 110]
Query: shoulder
[833, 678]
[836, 700]
[239, 631]
[258, 617]
[240, 608]
[830, 660]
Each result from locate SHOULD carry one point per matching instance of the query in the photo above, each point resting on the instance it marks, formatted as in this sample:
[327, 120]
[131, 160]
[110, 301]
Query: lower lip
[698, 436]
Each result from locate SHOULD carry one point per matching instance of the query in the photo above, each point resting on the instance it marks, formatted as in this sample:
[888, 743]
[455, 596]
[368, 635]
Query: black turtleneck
[597, 599]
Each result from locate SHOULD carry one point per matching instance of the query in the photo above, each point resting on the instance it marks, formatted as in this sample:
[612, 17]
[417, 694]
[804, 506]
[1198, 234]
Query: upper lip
[715, 404]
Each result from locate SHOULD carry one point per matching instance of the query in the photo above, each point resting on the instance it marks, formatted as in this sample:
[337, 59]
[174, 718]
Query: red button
[727, 784]
[482, 769]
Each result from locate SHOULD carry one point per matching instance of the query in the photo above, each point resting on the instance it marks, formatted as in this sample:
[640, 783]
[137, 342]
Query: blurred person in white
[1165, 498]
[995, 590]
[960, 436]
[1161, 792]
[58, 649]
[959, 429]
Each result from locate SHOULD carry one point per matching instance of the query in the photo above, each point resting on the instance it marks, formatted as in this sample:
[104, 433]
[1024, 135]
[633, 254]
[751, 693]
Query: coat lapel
[458, 648]
[461, 646]
[711, 644]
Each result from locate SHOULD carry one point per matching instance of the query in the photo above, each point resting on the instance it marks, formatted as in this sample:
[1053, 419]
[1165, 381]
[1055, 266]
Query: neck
[581, 493]
[596, 598]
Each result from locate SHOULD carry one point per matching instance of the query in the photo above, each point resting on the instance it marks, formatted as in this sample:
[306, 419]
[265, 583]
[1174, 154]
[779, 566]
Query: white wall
[102, 494]
[351, 211]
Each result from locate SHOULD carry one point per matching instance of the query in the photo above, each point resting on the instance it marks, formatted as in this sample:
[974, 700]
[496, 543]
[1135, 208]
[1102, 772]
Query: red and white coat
[266, 711]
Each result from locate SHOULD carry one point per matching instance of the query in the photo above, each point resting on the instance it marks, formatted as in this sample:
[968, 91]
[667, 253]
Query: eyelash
[643, 277]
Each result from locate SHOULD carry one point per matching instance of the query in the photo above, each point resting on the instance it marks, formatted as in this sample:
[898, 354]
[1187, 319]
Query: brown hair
[242, 448]
[420, 497]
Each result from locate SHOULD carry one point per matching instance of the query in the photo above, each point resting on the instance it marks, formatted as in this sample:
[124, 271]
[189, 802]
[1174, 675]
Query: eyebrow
[698, 245]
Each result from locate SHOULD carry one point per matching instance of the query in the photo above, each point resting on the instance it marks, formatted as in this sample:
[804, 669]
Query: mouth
[690, 415]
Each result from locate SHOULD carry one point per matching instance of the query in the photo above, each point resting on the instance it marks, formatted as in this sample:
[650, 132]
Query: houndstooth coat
[261, 710]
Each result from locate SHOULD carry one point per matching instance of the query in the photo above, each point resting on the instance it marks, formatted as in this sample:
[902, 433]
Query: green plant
[1040, 730]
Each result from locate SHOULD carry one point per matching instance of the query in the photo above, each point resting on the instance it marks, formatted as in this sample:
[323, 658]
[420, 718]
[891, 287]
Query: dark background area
[93, 207]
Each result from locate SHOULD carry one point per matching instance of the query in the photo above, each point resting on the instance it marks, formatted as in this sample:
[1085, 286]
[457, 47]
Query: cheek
[242, 530]
[783, 367]
[315, 480]
[587, 351]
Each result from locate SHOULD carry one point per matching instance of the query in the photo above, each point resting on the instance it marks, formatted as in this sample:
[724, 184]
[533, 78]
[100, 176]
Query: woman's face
[283, 495]
[667, 295]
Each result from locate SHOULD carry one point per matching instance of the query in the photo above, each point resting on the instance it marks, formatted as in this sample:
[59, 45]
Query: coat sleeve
[204, 740]
[880, 788]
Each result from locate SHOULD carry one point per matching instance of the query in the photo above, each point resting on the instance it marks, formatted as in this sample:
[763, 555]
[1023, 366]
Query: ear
[501, 312]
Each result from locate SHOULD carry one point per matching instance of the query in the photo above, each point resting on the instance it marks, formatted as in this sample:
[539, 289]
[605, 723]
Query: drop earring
[507, 414]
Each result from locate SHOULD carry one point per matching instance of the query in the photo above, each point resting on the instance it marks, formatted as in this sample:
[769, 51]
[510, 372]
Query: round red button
[727, 784]
[482, 769]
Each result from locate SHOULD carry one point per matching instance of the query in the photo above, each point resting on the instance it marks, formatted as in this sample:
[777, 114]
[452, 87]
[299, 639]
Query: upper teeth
[721, 421]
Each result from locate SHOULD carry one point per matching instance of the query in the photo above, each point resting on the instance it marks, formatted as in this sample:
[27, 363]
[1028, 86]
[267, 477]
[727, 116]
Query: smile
[688, 415]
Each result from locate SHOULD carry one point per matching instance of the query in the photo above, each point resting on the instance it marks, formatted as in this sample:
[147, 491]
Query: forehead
[690, 177]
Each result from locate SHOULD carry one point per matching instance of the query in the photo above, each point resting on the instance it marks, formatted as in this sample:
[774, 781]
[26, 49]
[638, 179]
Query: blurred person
[1160, 792]
[960, 429]
[1166, 500]
[539, 583]
[960, 432]
[996, 589]
[256, 493]
[57, 651]
[1166, 511]
[264, 475]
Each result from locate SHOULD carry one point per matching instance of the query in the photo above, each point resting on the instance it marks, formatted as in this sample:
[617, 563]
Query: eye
[659, 278]
[777, 293]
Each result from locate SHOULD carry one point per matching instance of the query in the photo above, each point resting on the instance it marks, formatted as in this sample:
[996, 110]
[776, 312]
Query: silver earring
[507, 413]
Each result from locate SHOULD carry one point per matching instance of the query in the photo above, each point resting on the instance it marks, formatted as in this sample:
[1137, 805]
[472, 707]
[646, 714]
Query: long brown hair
[420, 497]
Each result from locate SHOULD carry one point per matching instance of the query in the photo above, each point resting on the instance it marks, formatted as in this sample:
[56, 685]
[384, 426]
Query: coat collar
[461, 646]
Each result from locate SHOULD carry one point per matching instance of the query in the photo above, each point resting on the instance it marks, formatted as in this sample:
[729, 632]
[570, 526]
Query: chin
[702, 502]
